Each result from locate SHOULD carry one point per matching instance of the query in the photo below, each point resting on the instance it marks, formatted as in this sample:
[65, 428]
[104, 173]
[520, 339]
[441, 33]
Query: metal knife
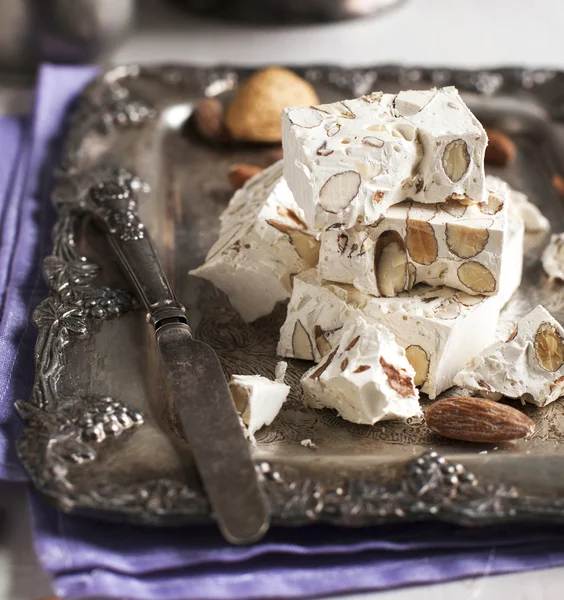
[193, 373]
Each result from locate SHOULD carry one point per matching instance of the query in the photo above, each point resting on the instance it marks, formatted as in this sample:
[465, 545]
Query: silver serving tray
[100, 436]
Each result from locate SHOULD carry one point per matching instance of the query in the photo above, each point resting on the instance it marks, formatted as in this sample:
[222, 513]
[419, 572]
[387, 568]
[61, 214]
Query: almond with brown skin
[240, 173]
[208, 119]
[477, 420]
[398, 379]
[558, 184]
[500, 150]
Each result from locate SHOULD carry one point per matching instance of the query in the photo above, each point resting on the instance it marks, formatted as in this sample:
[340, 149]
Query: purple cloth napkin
[27, 219]
[193, 562]
[89, 558]
[14, 269]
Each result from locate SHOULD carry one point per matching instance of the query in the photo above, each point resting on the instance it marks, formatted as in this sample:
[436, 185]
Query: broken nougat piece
[553, 257]
[349, 161]
[453, 244]
[529, 365]
[263, 243]
[366, 377]
[258, 399]
[440, 328]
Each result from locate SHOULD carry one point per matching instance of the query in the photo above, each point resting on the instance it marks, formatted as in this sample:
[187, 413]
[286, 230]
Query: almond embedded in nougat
[455, 208]
[492, 206]
[421, 212]
[323, 150]
[448, 309]
[372, 140]
[254, 112]
[464, 241]
[469, 300]
[398, 379]
[456, 160]
[339, 191]
[477, 420]
[301, 343]
[421, 242]
[549, 347]
[419, 360]
[321, 343]
[476, 277]
[306, 246]
[308, 118]
[390, 264]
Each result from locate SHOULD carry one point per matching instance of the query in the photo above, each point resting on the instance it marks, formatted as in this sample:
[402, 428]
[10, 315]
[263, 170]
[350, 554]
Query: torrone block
[440, 328]
[529, 365]
[263, 243]
[366, 377]
[350, 161]
[257, 399]
[451, 244]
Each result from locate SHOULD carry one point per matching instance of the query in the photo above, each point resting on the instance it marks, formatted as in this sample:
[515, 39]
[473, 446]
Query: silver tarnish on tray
[101, 435]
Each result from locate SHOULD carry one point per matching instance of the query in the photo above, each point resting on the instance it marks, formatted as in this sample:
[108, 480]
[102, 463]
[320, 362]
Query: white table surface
[471, 33]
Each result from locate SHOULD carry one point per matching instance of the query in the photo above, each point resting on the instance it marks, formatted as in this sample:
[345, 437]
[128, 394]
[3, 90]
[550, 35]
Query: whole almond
[209, 121]
[240, 173]
[500, 150]
[477, 420]
[253, 115]
[558, 184]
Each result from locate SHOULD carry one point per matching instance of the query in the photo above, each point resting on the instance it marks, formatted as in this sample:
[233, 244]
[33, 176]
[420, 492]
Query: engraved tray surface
[100, 436]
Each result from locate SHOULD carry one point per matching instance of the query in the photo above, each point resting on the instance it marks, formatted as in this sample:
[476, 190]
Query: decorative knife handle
[114, 205]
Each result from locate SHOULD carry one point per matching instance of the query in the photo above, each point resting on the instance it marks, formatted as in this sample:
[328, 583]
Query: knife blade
[211, 419]
[192, 371]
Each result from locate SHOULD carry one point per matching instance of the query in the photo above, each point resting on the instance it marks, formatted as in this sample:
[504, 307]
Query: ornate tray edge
[61, 433]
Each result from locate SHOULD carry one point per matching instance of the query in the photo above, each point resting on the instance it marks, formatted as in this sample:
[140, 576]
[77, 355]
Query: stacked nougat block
[382, 216]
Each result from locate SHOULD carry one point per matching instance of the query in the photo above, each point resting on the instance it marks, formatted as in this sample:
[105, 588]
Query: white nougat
[529, 365]
[448, 244]
[349, 161]
[553, 257]
[439, 332]
[440, 328]
[263, 243]
[366, 377]
[257, 399]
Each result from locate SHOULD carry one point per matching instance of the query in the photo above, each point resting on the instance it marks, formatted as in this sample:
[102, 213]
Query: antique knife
[194, 375]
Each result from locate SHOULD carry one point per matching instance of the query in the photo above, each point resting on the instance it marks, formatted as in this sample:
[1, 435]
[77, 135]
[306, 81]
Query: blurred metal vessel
[287, 11]
[62, 31]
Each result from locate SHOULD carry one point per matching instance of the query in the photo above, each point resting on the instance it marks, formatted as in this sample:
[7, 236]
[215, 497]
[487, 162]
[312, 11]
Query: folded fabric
[281, 577]
[19, 289]
[110, 560]
[27, 219]
[92, 558]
